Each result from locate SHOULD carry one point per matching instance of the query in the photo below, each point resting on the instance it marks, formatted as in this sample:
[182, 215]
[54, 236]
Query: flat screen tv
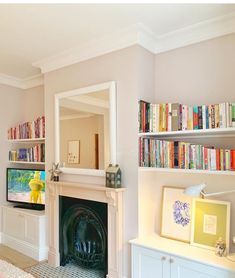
[26, 188]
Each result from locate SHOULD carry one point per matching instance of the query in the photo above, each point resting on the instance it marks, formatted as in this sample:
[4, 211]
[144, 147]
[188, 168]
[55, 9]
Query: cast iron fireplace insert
[83, 233]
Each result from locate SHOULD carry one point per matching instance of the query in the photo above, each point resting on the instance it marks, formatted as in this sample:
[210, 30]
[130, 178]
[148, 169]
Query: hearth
[83, 233]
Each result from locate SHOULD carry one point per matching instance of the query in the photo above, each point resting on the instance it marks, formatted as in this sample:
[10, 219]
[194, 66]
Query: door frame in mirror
[111, 87]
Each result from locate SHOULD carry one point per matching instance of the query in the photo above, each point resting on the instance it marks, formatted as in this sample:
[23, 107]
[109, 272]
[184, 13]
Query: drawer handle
[163, 259]
[171, 261]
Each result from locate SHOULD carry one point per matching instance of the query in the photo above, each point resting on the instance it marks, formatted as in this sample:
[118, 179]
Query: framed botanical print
[210, 223]
[176, 214]
[74, 152]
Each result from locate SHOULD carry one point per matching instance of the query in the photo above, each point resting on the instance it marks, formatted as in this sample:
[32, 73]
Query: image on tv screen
[27, 186]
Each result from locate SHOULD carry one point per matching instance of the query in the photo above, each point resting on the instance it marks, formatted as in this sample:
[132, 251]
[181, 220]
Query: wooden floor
[16, 258]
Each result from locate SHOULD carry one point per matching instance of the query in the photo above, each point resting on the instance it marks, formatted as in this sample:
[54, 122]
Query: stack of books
[182, 155]
[176, 116]
[28, 130]
[33, 154]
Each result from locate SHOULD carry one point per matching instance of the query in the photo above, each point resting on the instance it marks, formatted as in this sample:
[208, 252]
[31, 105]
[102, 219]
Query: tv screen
[26, 186]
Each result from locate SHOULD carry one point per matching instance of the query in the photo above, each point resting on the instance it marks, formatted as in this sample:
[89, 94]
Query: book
[195, 117]
[175, 116]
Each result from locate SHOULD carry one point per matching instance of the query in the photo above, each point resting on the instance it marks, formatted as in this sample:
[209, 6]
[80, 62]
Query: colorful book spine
[161, 117]
[168, 154]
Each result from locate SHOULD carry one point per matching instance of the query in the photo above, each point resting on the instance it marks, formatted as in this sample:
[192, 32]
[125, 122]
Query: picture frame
[176, 214]
[211, 221]
[74, 152]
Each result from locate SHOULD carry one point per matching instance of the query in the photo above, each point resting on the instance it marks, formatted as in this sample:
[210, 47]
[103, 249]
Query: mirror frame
[111, 87]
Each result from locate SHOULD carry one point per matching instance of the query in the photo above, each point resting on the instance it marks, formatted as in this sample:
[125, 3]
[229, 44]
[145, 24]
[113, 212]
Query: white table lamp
[198, 191]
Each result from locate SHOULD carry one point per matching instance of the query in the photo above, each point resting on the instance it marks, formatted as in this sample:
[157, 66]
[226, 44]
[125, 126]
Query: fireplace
[83, 233]
[80, 200]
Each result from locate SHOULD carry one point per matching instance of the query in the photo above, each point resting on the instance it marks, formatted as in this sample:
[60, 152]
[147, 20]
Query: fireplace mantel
[113, 197]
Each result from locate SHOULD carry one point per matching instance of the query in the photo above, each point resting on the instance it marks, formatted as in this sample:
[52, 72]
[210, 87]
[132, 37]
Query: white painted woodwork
[25, 231]
[196, 133]
[114, 199]
[111, 87]
[154, 256]
[186, 171]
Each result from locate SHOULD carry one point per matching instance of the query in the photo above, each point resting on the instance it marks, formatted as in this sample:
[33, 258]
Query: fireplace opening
[83, 233]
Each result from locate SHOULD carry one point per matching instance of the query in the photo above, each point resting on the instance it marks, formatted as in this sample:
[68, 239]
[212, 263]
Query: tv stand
[30, 206]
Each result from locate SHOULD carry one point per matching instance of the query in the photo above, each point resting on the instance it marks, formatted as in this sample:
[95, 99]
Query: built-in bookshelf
[163, 128]
[179, 117]
[27, 142]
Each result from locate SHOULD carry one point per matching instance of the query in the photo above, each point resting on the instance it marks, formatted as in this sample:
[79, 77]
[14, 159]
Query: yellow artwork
[211, 221]
[36, 186]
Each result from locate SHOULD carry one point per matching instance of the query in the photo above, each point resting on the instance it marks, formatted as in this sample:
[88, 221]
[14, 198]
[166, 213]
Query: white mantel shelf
[95, 187]
[113, 197]
[184, 250]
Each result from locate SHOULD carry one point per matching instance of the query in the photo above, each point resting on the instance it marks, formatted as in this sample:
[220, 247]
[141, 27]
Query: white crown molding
[24, 84]
[115, 41]
[196, 33]
[139, 34]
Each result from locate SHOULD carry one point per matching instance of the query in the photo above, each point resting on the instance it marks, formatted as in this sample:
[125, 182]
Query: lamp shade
[195, 190]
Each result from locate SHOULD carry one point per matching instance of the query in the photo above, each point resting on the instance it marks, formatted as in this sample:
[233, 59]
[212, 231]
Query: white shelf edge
[26, 162]
[230, 131]
[26, 140]
[186, 171]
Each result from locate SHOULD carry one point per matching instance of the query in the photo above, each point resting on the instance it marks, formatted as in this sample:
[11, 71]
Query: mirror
[85, 123]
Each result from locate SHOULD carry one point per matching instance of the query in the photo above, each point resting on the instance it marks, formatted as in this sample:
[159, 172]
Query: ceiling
[31, 32]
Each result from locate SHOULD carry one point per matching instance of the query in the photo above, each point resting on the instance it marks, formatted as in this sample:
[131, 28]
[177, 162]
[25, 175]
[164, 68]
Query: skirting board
[38, 254]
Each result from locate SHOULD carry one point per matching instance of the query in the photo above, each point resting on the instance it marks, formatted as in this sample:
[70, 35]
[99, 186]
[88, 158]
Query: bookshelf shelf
[198, 133]
[26, 162]
[186, 171]
[30, 140]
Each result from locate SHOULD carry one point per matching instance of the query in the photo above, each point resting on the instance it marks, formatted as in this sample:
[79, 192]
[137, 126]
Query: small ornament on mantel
[55, 171]
[220, 247]
[113, 176]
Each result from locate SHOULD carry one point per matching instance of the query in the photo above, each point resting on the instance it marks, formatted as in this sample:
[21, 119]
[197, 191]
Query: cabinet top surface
[31, 212]
[184, 250]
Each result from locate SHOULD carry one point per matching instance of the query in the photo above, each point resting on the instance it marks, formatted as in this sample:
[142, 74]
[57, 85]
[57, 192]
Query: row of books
[33, 154]
[176, 116]
[182, 155]
[28, 130]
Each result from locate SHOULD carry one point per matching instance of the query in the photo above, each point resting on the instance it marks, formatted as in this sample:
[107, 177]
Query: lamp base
[231, 257]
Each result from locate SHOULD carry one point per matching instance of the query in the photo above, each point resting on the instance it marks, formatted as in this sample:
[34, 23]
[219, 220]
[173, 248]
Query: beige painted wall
[33, 103]
[11, 101]
[84, 130]
[16, 106]
[198, 74]
[129, 67]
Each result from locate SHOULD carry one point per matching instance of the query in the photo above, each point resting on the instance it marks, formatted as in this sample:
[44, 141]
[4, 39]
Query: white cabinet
[25, 231]
[149, 263]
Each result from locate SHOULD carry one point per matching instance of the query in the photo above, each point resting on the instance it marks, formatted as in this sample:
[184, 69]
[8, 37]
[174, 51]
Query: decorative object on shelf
[176, 214]
[74, 152]
[220, 247]
[210, 221]
[198, 191]
[113, 176]
[55, 171]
